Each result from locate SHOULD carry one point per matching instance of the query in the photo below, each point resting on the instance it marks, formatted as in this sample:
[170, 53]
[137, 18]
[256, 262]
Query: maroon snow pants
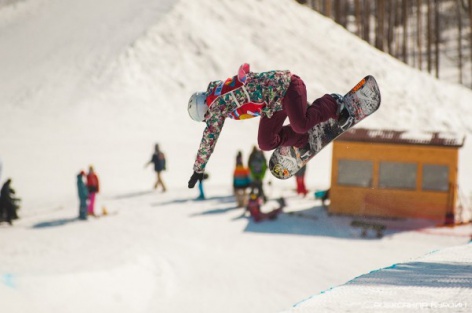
[273, 133]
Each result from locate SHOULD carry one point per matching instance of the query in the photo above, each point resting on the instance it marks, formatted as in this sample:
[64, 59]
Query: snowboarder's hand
[193, 180]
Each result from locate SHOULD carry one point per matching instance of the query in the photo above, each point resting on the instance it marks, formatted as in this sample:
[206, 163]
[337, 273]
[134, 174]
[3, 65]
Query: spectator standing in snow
[93, 187]
[159, 160]
[241, 181]
[83, 195]
[8, 203]
[257, 166]
[300, 178]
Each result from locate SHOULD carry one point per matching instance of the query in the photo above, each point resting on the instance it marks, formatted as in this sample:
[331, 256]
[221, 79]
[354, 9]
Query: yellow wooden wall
[383, 202]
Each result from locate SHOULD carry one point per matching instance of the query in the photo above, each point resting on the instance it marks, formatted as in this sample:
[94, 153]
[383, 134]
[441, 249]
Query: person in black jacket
[159, 160]
[8, 203]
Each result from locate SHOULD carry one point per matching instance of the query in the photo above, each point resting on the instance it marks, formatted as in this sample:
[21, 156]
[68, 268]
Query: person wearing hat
[274, 96]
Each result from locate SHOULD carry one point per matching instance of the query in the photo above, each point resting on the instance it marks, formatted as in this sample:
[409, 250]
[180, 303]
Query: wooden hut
[390, 173]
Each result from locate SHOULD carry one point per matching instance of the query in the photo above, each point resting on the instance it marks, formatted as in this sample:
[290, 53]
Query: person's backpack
[162, 161]
[257, 164]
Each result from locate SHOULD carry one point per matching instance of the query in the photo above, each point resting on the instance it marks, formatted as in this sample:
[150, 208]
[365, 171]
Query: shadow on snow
[315, 221]
[220, 199]
[55, 223]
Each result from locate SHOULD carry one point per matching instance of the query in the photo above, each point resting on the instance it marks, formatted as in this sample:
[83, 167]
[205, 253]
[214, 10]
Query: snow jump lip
[441, 279]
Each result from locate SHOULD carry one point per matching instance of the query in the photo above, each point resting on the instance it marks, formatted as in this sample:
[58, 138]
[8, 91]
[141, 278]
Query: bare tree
[358, 12]
[391, 26]
[327, 8]
[312, 4]
[337, 11]
[346, 11]
[411, 30]
[459, 39]
[380, 27]
[419, 32]
[396, 22]
[470, 37]
[366, 21]
[405, 30]
[429, 36]
[437, 37]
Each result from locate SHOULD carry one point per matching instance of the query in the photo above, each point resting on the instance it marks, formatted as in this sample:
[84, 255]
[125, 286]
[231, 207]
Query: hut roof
[448, 139]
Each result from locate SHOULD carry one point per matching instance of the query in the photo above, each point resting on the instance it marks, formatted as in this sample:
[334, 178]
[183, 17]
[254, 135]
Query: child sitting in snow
[254, 207]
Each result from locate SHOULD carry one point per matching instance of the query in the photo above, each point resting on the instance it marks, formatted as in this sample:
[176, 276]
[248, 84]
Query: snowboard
[361, 101]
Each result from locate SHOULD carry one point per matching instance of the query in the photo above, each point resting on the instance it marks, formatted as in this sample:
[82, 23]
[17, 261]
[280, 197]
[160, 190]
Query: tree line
[421, 33]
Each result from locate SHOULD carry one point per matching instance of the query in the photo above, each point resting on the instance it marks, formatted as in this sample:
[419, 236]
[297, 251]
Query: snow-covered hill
[99, 82]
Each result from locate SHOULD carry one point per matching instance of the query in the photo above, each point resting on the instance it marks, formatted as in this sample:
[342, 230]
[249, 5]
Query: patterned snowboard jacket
[242, 96]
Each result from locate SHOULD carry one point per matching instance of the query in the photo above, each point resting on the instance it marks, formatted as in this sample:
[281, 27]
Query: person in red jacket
[300, 179]
[274, 96]
[93, 187]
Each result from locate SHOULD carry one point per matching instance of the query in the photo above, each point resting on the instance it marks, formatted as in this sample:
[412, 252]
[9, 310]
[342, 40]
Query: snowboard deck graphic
[361, 101]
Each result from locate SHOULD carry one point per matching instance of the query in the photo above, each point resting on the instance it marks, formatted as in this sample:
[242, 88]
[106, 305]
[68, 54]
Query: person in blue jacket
[83, 195]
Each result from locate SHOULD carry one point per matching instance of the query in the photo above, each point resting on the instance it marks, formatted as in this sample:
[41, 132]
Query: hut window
[397, 175]
[355, 173]
[435, 177]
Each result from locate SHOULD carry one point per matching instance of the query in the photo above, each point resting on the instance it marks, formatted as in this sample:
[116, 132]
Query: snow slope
[99, 82]
[108, 80]
[404, 287]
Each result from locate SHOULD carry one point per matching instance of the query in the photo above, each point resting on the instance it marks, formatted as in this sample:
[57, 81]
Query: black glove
[193, 180]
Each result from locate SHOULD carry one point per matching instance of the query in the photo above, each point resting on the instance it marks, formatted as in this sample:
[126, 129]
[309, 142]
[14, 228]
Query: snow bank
[441, 280]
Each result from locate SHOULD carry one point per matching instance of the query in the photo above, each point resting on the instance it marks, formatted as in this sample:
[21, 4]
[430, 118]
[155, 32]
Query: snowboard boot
[344, 118]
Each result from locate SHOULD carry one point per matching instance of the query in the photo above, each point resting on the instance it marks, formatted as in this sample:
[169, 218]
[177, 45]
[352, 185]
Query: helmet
[197, 106]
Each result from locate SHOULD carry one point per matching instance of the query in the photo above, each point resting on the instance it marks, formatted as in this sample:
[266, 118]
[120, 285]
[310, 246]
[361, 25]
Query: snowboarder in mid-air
[274, 96]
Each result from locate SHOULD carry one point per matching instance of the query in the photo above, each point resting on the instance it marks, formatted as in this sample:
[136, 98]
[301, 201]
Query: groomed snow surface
[168, 253]
[438, 282]
[99, 82]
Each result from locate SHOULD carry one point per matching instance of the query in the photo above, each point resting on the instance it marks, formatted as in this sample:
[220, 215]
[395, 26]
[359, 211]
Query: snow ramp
[440, 281]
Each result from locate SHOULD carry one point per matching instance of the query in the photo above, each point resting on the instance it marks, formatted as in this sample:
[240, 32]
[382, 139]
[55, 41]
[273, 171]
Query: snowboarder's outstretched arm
[194, 178]
[207, 145]
[216, 119]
